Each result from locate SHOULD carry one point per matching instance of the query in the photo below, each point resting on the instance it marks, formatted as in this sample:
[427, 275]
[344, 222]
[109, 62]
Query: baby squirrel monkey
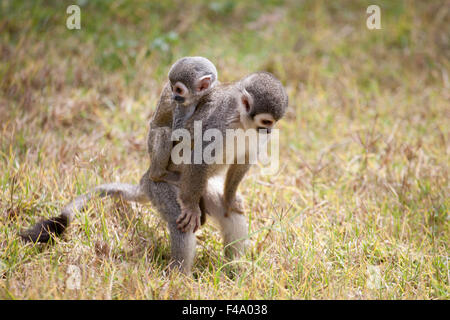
[190, 78]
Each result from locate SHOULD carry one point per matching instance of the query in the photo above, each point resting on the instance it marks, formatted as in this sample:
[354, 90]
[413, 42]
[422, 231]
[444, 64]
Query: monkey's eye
[267, 122]
[179, 90]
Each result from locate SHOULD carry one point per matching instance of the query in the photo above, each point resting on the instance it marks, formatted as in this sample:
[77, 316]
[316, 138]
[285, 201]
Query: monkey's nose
[178, 98]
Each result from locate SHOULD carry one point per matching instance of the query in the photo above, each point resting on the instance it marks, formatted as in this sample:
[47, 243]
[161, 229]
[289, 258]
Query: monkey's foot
[156, 174]
[189, 219]
[165, 176]
[172, 178]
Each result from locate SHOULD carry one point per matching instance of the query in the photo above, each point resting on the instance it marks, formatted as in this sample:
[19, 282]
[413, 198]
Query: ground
[359, 209]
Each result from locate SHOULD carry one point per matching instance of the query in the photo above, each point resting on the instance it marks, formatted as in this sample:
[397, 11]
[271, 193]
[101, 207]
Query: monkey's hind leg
[182, 249]
[233, 227]
[163, 197]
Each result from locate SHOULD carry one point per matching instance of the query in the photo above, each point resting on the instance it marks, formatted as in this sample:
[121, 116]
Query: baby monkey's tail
[43, 231]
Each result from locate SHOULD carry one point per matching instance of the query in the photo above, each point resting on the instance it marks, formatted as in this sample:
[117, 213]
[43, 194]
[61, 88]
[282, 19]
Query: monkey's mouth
[268, 130]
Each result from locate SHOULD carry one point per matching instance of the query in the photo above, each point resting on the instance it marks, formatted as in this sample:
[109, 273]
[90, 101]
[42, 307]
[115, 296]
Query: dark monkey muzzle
[179, 99]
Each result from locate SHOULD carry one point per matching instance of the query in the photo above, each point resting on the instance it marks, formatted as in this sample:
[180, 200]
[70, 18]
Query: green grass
[359, 209]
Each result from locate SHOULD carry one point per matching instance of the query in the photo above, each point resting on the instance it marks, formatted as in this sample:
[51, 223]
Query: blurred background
[364, 145]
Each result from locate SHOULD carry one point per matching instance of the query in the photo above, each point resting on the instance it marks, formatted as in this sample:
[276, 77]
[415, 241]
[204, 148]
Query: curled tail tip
[43, 231]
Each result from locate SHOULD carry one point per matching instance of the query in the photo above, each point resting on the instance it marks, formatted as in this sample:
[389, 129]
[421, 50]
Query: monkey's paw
[189, 219]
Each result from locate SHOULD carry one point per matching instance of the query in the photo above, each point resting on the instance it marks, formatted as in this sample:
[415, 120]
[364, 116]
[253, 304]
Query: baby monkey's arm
[181, 114]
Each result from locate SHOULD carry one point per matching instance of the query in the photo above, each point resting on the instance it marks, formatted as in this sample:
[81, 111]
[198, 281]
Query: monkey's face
[186, 94]
[252, 119]
[180, 93]
[262, 101]
[187, 98]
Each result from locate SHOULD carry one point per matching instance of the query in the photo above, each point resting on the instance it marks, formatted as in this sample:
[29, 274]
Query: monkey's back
[216, 110]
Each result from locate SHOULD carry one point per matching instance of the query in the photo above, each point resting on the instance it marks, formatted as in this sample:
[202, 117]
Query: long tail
[42, 231]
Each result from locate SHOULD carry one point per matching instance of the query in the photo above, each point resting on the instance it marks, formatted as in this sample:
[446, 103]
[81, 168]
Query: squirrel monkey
[190, 78]
[257, 101]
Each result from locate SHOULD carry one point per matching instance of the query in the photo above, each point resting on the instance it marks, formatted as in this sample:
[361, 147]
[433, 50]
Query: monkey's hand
[189, 219]
[237, 206]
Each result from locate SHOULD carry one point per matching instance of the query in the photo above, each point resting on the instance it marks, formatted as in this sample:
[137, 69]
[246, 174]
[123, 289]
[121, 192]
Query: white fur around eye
[180, 86]
[264, 120]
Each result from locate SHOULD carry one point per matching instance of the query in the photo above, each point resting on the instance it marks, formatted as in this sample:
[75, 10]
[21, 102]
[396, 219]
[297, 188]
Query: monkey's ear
[245, 103]
[246, 100]
[204, 83]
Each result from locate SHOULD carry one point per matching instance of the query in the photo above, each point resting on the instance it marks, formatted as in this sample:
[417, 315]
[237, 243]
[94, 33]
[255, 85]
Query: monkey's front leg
[192, 185]
[232, 201]
[189, 218]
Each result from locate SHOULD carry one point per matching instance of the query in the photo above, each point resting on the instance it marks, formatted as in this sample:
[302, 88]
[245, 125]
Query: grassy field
[360, 209]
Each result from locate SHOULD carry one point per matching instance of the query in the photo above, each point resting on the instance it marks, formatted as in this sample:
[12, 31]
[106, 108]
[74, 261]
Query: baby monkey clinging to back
[190, 78]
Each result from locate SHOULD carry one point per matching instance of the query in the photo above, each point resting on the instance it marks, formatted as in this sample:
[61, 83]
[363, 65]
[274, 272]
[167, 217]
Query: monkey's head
[262, 101]
[191, 78]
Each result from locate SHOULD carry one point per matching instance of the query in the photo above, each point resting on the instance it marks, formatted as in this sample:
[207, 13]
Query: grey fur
[163, 197]
[188, 69]
[170, 115]
[219, 109]
[269, 95]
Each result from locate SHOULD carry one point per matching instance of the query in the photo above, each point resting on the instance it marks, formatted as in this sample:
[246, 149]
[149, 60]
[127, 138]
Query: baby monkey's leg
[160, 155]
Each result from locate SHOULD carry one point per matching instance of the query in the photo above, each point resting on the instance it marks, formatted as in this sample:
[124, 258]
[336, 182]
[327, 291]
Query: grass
[358, 211]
